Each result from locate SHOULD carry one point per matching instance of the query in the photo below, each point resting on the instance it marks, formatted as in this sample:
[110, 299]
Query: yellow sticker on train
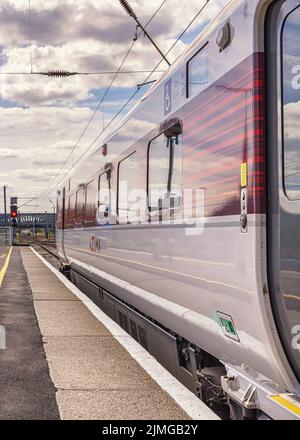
[288, 401]
[244, 174]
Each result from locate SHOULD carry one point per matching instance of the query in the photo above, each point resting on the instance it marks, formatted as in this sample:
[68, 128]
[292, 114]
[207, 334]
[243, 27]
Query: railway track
[48, 246]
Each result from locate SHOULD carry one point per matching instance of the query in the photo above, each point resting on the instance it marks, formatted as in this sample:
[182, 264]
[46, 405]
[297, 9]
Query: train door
[60, 223]
[283, 146]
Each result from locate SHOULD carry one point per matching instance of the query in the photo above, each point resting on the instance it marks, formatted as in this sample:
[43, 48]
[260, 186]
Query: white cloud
[292, 115]
[40, 138]
[91, 36]
[86, 35]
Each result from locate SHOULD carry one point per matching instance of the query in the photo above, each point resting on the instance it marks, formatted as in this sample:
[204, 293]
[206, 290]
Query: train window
[59, 209]
[71, 209]
[80, 196]
[197, 72]
[90, 201]
[164, 172]
[291, 103]
[104, 191]
[127, 183]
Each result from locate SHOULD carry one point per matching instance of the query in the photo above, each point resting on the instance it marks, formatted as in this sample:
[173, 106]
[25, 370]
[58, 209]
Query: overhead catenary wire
[134, 93]
[128, 9]
[292, 165]
[182, 33]
[146, 81]
[63, 73]
[130, 99]
[103, 97]
[292, 175]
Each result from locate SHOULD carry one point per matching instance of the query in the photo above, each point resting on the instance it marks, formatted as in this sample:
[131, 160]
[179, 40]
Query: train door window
[71, 209]
[80, 196]
[90, 202]
[127, 184]
[197, 72]
[165, 171]
[59, 209]
[291, 103]
[104, 191]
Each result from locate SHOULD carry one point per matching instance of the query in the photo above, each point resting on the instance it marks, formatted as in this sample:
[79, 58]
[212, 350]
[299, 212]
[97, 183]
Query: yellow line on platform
[4, 268]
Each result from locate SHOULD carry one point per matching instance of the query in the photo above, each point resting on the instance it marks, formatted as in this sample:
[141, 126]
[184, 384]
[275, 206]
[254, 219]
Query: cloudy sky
[41, 118]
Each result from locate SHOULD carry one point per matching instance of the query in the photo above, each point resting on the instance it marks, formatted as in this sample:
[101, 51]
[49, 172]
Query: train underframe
[199, 371]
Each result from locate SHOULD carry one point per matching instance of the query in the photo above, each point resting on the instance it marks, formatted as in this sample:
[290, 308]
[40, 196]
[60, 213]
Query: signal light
[13, 211]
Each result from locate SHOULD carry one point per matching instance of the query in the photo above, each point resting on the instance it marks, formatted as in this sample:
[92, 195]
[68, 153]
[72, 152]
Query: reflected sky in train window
[71, 208]
[198, 73]
[127, 182]
[79, 204]
[291, 101]
[104, 193]
[91, 200]
[159, 166]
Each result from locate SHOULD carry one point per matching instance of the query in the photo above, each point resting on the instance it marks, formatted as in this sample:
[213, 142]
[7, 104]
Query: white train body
[228, 284]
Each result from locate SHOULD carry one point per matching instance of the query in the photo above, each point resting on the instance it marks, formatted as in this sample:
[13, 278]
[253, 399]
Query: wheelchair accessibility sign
[168, 97]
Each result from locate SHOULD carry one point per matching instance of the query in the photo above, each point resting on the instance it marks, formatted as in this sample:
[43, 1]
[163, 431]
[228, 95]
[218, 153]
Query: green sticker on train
[227, 324]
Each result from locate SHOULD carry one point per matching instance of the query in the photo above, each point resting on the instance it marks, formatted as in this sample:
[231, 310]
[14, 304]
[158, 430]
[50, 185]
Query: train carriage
[204, 270]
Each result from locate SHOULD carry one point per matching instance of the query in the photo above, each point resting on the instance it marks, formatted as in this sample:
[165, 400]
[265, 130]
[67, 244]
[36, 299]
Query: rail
[46, 244]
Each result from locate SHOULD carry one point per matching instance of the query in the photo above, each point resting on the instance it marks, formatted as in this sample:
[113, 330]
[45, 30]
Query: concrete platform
[117, 405]
[26, 389]
[65, 359]
[84, 372]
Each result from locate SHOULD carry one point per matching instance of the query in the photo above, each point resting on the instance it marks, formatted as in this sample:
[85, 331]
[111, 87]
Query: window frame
[148, 163]
[108, 170]
[59, 210]
[71, 221]
[188, 95]
[93, 181]
[285, 189]
[81, 219]
[118, 177]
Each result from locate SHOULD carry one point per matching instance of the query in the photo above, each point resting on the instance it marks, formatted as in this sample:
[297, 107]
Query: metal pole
[46, 225]
[5, 212]
[128, 9]
[152, 41]
[54, 206]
